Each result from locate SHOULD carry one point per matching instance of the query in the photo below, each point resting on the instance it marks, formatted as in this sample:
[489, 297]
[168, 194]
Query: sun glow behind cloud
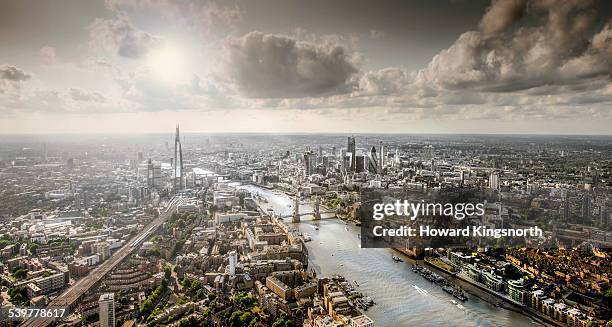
[168, 63]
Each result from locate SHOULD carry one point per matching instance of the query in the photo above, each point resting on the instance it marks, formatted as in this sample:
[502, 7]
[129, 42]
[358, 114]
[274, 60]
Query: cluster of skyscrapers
[352, 161]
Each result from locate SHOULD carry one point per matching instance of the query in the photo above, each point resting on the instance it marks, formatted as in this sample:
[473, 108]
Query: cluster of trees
[282, 321]
[20, 273]
[247, 313]
[18, 295]
[153, 305]
[334, 202]
[151, 301]
[193, 321]
[180, 220]
[5, 241]
[193, 288]
[245, 300]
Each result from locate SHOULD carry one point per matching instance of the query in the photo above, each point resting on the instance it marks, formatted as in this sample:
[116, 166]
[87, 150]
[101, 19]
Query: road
[69, 297]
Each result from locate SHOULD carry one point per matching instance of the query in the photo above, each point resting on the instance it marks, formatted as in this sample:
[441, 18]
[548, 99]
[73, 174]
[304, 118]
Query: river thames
[403, 298]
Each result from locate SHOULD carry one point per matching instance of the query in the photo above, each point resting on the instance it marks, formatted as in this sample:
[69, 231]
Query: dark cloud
[13, 74]
[80, 95]
[554, 50]
[278, 66]
[120, 37]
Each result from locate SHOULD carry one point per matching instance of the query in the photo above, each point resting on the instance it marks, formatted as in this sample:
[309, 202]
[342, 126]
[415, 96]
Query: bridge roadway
[71, 295]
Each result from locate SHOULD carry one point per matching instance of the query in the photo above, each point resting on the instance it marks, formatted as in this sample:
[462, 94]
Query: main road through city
[74, 292]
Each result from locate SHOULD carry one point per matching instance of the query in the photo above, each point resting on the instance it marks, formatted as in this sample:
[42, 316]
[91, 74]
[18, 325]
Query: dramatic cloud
[278, 66]
[526, 59]
[501, 14]
[119, 36]
[499, 58]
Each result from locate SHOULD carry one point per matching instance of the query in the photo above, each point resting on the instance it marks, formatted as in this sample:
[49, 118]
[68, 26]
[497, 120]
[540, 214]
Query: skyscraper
[107, 310]
[149, 173]
[397, 158]
[360, 163]
[586, 208]
[178, 162]
[353, 152]
[233, 261]
[494, 181]
[381, 158]
[310, 162]
[373, 161]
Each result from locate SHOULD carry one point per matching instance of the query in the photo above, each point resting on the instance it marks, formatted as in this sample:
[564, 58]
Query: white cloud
[119, 37]
[208, 19]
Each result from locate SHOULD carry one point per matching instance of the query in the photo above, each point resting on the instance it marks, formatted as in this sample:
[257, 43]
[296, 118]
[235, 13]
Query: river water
[402, 297]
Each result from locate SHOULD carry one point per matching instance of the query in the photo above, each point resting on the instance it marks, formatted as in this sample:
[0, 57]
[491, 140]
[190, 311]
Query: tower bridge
[295, 216]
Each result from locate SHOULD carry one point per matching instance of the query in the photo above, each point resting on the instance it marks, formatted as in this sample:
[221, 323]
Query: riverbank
[517, 305]
[481, 291]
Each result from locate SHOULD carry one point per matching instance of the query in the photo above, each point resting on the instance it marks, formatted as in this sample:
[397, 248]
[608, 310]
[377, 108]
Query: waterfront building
[537, 297]
[575, 318]
[548, 307]
[560, 312]
[362, 321]
[516, 290]
[459, 259]
[493, 281]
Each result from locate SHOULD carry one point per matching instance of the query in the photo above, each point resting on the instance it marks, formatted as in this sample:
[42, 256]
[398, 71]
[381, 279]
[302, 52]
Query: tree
[18, 295]
[20, 273]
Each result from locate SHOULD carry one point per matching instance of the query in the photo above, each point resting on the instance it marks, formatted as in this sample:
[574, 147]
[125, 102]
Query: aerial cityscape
[235, 230]
[320, 163]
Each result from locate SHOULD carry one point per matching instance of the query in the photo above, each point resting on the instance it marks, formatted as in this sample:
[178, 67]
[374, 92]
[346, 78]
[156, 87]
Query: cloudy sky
[346, 66]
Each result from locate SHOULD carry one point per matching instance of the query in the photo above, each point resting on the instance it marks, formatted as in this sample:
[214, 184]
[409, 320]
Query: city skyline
[493, 67]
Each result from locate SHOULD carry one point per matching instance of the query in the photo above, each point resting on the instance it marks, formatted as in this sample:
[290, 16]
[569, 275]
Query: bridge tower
[317, 208]
[296, 210]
